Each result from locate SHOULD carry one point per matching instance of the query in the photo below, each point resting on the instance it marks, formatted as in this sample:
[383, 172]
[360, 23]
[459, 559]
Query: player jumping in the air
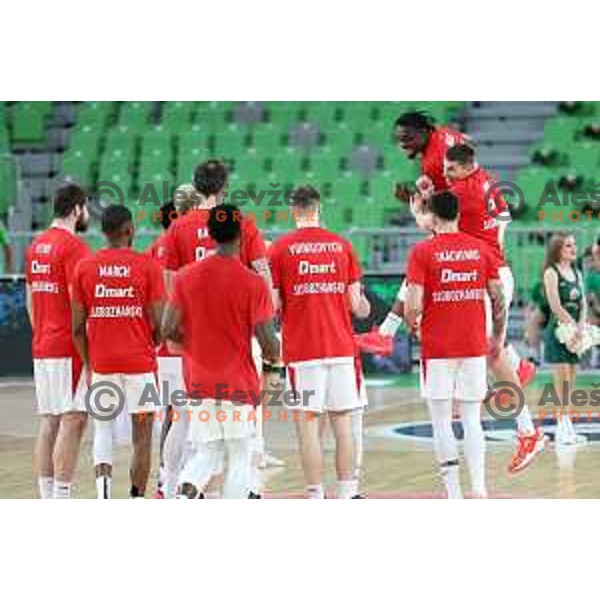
[118, 300]
[217, 306]
[316, 282]
[449, 276]
[60, 385]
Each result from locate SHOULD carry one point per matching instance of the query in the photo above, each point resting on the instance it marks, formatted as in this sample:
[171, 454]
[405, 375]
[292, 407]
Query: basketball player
[448, 277]
[60, 384]
[478, 217]
[170, 365]
[218, 305]
[316, 283]
[188, 241]
[118, 300]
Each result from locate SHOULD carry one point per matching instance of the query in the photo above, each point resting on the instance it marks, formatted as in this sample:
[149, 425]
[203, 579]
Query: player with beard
[60, 384]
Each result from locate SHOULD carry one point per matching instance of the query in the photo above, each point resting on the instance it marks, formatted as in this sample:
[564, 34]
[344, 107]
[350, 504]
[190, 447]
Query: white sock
[104, 487]
[347, 489]
[214, 495]
[474, 447]
[357, 434]
[390, 325]
[567, 424]
[174, 453]
[315, 492]
[46, 487]
[239, 475]
[62, 490]
[513, 358]
[524, 422]
[446, 448]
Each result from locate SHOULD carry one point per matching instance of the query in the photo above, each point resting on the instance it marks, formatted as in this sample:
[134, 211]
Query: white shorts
[213, 421]
[58, 389]
[170, 377]
[327, 386]
[136, 392]
[454, 379]
[508, 288]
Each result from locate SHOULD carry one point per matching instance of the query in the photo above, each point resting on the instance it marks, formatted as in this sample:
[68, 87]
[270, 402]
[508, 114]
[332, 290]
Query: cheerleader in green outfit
[563, 286]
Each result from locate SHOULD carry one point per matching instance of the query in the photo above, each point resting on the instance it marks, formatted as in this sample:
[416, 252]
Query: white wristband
[390, 325]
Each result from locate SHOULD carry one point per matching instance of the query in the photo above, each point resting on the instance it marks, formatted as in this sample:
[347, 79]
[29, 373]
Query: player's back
[454, 269]
[478, 208]
[116, 286]
[50, 263]
[188, 241]
[312, 269]
[218, 299]
[434, 155]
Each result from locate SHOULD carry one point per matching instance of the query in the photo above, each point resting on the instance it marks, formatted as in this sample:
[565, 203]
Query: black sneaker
[253, 496]
[359, 497]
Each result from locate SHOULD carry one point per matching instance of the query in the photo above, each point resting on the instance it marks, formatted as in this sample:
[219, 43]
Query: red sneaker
[375, 343]
[526, 372]
[528, 447]
[158, 494]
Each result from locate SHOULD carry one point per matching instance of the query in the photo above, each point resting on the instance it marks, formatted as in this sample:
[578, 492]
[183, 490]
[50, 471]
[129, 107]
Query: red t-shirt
[221, 302]
[50, 263]
[477, 212]
[454, 270]
[187, 241]
[312, 269]
[157, 249]
[116, 287]
[434, 155]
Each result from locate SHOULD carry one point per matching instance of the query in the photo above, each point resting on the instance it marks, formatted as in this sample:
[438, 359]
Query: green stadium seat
[95, 114]
[585, 158]
[286, 167]
[398, 166]
[561, 131]
[266, 139]
[285, 114]
[177, 116]
[325, 114]
[532, 182]
[28, 122]
[134, 115]
[382, 190]
[194, 139]
[159, 139]
[342, 138]
[347, 190]
[86, 138]
[324, 166]
[8, 184]
[249, 168]
[122, 139]
[77, 165]
[229, 142]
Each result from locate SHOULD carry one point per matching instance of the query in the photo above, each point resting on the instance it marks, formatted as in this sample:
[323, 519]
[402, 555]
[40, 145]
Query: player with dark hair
[60, 384]
[417, 134]
[448, 278]
[316, 283]
[188, 241]
[118, 300]
[218, 305]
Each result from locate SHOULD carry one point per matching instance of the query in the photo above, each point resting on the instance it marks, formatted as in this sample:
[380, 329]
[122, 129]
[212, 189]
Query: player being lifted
[118, 300]
[59, 382]
[217, 306]
[188, 241]
[448, 277]
[316, 283]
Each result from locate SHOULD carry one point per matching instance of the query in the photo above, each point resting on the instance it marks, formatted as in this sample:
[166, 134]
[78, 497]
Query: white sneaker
[269, 461]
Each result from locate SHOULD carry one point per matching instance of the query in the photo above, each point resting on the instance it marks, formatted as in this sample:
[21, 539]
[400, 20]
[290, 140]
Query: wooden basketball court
[398, 461]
